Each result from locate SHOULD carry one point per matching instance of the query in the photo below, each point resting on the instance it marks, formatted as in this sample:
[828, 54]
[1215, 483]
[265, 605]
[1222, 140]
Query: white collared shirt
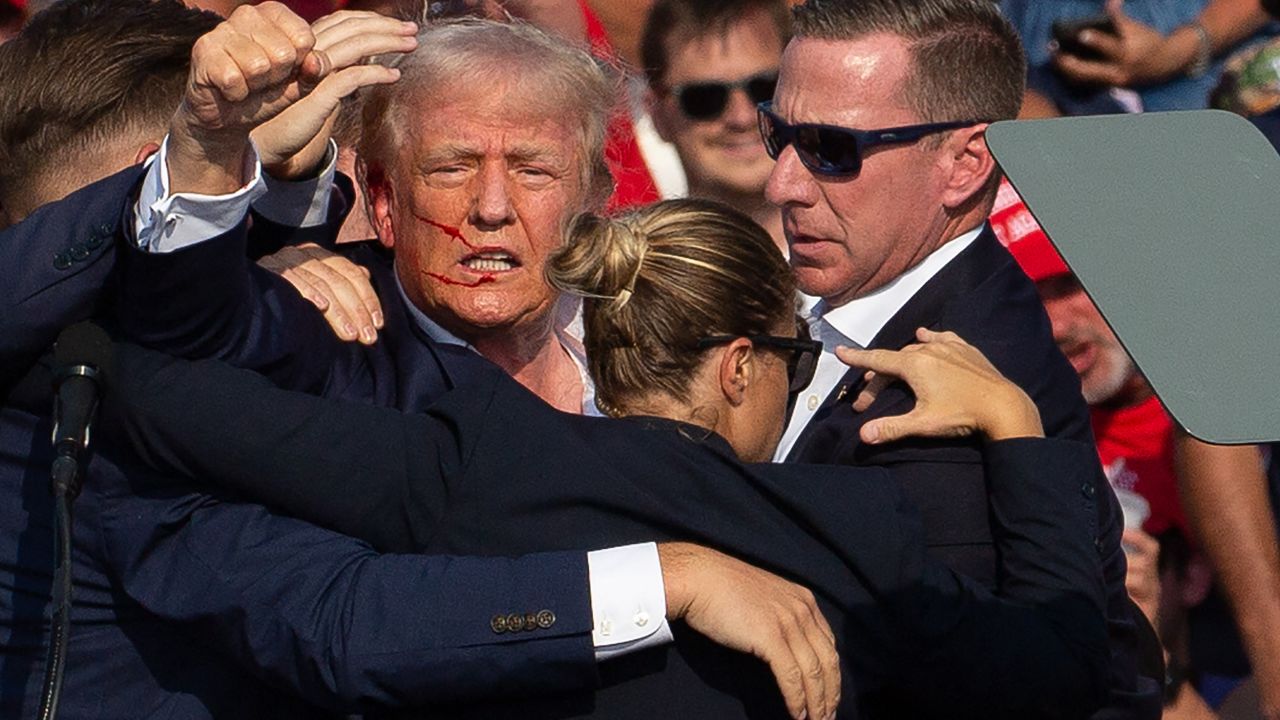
[855, 324]
[568, 330]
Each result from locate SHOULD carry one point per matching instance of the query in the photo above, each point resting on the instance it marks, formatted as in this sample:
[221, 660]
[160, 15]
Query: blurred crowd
[678, 112]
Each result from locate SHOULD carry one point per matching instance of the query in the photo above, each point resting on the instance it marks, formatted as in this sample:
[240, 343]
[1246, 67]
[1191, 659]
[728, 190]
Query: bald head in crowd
[87, 89]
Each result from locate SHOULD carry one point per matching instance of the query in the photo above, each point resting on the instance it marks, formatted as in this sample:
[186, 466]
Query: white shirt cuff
[628, 600]
[300, 203]
[164, 223]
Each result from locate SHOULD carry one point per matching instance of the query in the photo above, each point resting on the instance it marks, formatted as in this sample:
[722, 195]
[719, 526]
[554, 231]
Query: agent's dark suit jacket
[491, 469]
[985, 298]
[165, 630]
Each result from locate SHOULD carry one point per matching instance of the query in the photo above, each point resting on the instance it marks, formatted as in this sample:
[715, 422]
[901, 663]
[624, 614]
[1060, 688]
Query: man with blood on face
[472, 169]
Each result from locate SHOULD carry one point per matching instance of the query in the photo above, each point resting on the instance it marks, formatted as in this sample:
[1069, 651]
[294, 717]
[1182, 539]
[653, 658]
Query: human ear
[660, 112]
[380, 198]
[971, 166]
[145, 151]
[736, 368]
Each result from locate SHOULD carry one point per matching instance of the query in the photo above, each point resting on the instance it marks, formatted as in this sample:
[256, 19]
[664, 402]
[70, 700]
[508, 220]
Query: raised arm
[188, 288]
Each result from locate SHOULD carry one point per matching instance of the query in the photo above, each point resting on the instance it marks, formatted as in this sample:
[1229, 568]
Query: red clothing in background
[633, 183]
[1136, 447]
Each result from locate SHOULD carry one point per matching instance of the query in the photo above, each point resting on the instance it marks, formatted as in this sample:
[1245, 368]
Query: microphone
[78, 356]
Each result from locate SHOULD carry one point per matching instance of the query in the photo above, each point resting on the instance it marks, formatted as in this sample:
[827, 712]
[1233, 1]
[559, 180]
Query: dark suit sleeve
[369, 472]
[210, 301]
[1041, 644]
[267, 236]
[328, 618]
[56, 262]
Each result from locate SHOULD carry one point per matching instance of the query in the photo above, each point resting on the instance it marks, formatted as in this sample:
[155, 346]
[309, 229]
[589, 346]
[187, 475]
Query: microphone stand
[66, 473]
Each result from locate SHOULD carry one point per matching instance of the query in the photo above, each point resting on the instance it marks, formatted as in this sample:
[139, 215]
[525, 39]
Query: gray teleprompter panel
[1171, 221]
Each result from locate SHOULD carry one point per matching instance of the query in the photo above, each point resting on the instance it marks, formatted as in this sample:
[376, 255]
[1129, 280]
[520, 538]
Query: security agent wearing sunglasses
[709, 64]
[884, 182]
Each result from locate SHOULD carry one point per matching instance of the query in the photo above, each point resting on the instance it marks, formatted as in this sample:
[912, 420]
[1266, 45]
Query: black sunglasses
[832, 150]
[802, 352]
[707, 100]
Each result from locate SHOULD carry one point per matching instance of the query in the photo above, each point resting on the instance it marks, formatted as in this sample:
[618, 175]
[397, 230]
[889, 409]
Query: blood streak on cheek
[483, 280]
[449, 230]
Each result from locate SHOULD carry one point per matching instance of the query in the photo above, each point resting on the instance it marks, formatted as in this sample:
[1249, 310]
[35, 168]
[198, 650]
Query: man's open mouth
[490, 261]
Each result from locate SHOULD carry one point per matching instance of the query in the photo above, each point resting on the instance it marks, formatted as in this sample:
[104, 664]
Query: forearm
[323, 616]
[1224, 493]
[1229, 22]
[348, 467]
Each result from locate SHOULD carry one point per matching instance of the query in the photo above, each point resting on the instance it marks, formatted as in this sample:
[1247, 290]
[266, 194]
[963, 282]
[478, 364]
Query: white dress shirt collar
[860, 319]
[568, 330]
[856, 324]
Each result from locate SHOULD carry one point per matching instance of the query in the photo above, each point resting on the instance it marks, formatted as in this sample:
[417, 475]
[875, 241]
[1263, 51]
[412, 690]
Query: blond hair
[486, 53]
[658, 280]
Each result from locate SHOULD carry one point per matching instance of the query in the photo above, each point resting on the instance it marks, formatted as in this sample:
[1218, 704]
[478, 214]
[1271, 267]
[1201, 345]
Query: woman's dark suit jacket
[490, 469]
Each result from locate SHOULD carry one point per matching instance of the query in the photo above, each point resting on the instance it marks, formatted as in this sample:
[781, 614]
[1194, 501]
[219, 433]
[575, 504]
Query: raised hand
[958, 392]
[243, 72]
[752, 611]
[293, 143]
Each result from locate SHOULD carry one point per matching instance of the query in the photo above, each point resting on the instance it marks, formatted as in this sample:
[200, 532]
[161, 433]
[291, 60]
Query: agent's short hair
[673, 23]
[967, 61]
[476, 52]
[87, 72]
[658, 280]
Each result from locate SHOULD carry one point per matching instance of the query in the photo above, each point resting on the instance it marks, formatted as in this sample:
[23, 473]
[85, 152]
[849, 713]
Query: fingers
[258, 47]
[822, 643]
[875, 383]
[280, 38]
[789, 677]
[1110, 46]
[806, 658]
[362, 35]
[1088, 71]
[334, 284]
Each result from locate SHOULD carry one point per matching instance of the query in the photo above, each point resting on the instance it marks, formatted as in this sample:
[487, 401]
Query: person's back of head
[84, 88]
[659, 280]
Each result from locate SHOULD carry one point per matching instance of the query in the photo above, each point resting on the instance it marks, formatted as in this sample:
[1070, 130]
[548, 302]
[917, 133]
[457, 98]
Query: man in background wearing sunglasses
[709, 63]
[885, 182]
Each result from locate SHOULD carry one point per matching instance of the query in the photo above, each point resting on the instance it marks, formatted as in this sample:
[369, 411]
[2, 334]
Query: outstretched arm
[383, 476]
[365, 471]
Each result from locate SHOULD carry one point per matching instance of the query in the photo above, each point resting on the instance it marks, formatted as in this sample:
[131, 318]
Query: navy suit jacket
[57, 262]
[491, 469]
[983, 296]
[184, 605]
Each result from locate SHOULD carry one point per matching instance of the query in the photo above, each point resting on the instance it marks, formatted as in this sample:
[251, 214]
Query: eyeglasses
[802, 352]
[707, 100]
[832, 150]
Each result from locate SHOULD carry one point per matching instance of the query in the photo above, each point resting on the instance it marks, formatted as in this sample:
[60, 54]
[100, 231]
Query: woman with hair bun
[692, 339]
